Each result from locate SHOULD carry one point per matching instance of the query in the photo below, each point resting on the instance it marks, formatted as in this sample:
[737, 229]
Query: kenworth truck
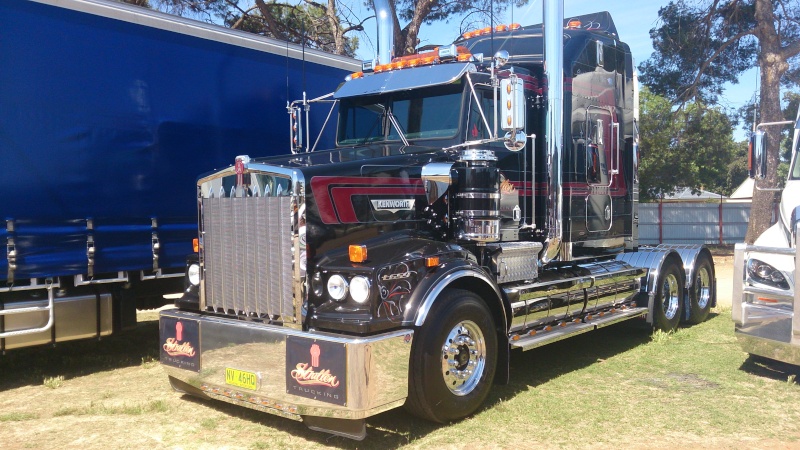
[482, 197]
[107, 114]
[765, 279]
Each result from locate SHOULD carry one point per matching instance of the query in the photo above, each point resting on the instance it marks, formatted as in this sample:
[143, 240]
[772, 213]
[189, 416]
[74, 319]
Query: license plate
[241, 378]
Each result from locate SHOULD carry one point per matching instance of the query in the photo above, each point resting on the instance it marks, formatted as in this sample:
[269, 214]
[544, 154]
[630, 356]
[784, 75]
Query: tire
[668, 302]
[453, 358]
[702, 291]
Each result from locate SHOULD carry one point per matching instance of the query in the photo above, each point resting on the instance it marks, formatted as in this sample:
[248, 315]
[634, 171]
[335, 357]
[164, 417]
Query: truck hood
[332, 160]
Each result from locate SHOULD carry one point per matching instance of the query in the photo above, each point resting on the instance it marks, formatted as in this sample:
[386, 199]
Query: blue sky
[633, 18]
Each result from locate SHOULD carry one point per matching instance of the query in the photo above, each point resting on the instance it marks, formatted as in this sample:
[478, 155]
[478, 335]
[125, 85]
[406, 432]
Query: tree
[700, 46]
[692, 147]
[314, 24]
[417, 12]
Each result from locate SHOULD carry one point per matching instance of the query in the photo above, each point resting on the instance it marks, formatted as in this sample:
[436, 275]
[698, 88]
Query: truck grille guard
[252, 257]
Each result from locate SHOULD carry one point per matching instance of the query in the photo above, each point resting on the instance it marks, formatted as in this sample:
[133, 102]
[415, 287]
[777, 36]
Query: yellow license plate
[241, 378]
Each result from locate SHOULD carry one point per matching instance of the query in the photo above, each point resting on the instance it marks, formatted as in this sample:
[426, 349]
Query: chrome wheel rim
[702, 286]
[463, 358]
[671, 300]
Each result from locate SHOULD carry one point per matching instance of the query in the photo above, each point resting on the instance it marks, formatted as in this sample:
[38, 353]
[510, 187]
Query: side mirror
[793, 226]
[757, 157]
[501, 59]
[515, 142]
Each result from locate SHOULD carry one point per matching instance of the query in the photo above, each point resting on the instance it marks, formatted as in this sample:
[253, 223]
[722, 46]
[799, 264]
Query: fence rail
[689, 222]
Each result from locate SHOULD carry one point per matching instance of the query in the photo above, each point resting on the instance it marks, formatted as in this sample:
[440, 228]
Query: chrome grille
[248, 255]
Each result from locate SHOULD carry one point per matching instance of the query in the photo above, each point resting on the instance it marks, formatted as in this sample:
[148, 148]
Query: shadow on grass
[30, 366]
[770, 368]
[397, 428]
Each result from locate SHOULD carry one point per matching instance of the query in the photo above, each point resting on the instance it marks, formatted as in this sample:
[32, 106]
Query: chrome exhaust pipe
[385, 18]
[553, 12]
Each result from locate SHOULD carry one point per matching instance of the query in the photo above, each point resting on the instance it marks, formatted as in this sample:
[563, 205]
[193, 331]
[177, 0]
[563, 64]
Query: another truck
[765, 276]
[482, 197]
[107, 113]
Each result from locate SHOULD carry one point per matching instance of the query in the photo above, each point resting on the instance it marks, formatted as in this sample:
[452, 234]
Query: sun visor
[404, 79]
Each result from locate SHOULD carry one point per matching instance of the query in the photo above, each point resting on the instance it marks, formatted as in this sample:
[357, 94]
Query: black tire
[453, 358]
[668, 302]
[703, 288]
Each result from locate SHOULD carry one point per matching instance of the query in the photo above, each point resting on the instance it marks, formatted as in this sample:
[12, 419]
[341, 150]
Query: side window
[587, 61]
[476, 127]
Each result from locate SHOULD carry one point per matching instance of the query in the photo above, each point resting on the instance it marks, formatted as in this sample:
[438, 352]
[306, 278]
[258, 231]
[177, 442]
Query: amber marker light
[196, 245]
[767, 300]
[432, 261]
[358, 253]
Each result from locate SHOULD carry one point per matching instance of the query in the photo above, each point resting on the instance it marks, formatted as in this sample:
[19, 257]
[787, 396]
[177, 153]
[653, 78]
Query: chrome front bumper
[284, 371]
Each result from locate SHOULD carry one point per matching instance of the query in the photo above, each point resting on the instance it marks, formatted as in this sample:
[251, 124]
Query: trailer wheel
[453, 358]
[702, 291]
[668, 302]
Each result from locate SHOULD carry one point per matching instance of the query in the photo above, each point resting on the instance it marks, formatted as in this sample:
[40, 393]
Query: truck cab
[765, 276]
[482, 197]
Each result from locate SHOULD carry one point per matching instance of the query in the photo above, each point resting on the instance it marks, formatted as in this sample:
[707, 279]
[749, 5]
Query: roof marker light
[574, 25]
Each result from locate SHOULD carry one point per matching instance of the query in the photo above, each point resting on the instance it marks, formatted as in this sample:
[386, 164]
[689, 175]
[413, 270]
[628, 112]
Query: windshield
[421, 114]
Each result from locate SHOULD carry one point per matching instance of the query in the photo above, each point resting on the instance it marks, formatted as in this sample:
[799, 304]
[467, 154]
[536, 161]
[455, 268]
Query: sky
[633, 18]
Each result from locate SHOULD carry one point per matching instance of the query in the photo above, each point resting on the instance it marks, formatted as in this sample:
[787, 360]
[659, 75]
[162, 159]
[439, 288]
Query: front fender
[462, 274]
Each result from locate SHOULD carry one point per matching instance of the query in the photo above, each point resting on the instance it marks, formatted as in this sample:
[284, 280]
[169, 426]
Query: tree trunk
[772, 62]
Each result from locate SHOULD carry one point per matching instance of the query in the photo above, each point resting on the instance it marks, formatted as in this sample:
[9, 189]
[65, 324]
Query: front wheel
[668, 302]
[454, 358]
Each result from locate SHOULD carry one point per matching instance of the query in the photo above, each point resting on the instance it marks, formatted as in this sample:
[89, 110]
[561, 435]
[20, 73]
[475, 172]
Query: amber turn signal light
[196, 245]
[358, 253]
[432, 261]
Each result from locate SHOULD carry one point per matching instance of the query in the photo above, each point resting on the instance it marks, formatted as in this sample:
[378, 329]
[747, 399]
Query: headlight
[359, 289]
[764, 273]
[337, 287]
[194, 274]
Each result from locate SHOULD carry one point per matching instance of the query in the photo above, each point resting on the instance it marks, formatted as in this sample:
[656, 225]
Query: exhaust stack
[553, 13]
[385, 18]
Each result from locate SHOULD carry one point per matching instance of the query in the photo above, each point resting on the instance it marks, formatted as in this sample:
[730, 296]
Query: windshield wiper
[397, 126]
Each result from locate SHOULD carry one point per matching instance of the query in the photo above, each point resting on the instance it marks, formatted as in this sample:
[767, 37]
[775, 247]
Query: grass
[18, 417]
[100, 409]
[54, 382]
[622, 386]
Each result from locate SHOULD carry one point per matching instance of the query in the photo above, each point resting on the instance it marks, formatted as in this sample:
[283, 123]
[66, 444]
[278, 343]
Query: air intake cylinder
[477, 198]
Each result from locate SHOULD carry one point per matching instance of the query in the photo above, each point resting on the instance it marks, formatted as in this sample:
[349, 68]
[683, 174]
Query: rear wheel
[453, 360]
[702, 290]
[668, 302]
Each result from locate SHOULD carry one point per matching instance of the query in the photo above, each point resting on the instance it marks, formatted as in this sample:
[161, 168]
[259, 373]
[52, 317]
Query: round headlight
[337, 287]
[194, 274]
[359, 289]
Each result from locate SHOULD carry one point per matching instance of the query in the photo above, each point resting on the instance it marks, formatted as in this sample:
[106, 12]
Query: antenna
[287, 73]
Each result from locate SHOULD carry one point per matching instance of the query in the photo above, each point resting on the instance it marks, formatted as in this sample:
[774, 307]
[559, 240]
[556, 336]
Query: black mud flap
[349, 428]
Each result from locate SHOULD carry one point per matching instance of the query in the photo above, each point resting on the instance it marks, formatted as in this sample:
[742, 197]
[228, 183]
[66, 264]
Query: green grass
[54, 382]
[621, 384]
[17, 417]
[99, 409]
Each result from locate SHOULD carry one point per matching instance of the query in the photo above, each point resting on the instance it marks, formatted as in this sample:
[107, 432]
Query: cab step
[550, 334]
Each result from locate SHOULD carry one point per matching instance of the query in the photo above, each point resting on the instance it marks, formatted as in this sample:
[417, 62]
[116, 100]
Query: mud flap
[349, 428]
